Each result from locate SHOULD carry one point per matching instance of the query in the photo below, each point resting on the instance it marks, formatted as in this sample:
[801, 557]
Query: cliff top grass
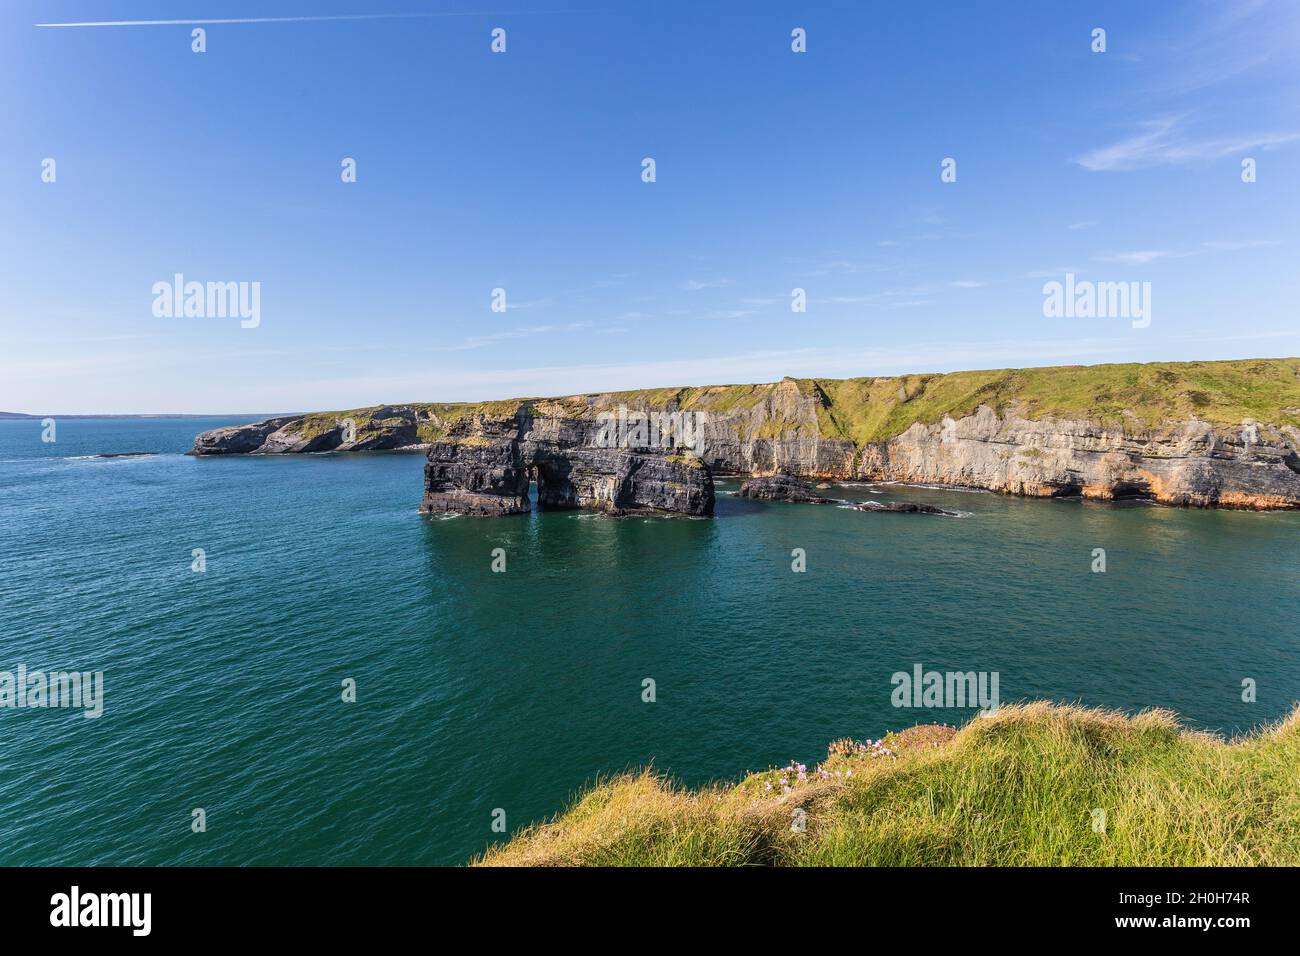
[1023, 787]
[875, 409]
[1221, 393]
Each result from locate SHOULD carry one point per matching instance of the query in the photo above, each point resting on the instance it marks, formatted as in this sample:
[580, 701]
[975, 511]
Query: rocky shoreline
[790, 489]
[989, 431]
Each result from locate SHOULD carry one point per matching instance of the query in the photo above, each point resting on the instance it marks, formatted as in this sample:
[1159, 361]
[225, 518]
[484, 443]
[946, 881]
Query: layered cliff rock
[484, 466]
[1179, 463]
[1204, 434]
[382, 428]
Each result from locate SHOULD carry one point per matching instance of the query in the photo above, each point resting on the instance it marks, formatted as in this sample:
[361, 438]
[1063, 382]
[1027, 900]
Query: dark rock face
[237, 439]
[905, 507]
[782, 488]
[484, 467]
[478, 474]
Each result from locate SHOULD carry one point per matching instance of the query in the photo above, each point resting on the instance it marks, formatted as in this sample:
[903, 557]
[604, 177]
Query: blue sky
[522, 171]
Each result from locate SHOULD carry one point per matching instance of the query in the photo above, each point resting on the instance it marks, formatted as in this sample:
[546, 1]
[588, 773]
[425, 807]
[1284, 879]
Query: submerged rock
[782, 488]
[906, 507]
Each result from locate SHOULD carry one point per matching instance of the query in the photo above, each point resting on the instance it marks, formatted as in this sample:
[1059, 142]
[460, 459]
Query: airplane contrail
[350, 16]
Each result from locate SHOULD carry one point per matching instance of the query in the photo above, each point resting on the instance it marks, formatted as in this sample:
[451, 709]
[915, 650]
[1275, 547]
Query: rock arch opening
[555, 488]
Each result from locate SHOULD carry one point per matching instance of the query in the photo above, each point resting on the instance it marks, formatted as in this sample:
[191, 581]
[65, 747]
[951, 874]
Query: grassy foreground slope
[876, 409]
[1018, 788]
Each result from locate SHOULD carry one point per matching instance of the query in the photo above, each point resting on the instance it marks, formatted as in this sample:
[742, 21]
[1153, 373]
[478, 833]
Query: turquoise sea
[479, 690]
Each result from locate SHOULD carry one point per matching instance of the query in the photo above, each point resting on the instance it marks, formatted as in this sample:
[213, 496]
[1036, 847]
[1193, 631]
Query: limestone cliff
[484, 466]
[1204, 434]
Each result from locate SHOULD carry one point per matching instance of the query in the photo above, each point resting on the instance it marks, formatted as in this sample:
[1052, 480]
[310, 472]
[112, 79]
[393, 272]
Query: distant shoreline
[24, 417]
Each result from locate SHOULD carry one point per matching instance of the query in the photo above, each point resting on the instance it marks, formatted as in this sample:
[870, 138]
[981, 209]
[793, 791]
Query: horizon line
[649, 388]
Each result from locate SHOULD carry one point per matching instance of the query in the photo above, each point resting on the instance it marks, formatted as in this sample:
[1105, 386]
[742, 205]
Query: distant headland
[1200, 434]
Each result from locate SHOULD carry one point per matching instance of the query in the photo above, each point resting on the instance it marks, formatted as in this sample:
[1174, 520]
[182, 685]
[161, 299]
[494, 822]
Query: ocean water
[479, 690]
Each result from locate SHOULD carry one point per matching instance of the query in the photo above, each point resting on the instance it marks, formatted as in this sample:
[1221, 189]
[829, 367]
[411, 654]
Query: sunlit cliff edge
[1030, 785]
[1201, 434]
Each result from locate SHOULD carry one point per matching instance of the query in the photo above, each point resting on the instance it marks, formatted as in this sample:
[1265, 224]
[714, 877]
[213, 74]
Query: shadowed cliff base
[1030, 785]
[1199, 434]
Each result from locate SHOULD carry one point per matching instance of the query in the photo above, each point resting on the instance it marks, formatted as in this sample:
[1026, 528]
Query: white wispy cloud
[1143, 256]
[1165, 141]
[529, 304]
[695, 285]
[929, 236]
[1053, 273]
[616, 279]
[505, 335]
[251, 20]
[1140, 257]
[834, 267]
[1232, 245]
[1229, 42]
[847, 299]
